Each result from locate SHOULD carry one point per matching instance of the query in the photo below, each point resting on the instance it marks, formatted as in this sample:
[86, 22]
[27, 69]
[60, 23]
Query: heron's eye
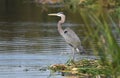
[59, 14]
[65, 31]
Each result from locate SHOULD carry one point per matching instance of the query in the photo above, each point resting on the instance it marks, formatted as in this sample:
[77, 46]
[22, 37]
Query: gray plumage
[71, 38]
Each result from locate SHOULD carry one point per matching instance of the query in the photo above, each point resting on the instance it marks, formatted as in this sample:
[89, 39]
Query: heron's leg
[71, 60]
[72, 55]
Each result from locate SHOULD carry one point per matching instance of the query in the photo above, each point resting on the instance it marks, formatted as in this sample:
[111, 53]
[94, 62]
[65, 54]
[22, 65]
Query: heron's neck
[60, 24]
[62, 19]
[60, 27]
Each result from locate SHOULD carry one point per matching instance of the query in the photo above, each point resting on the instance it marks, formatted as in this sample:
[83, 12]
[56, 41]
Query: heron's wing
[71, 37]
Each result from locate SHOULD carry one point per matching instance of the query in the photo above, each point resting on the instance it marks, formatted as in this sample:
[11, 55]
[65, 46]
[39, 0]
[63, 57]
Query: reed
[106, 41]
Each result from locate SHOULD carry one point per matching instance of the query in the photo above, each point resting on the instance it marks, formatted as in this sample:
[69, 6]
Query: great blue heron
[69, 35]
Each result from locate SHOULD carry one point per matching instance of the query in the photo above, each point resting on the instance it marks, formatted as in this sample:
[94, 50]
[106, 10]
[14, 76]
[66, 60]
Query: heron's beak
[52, 14]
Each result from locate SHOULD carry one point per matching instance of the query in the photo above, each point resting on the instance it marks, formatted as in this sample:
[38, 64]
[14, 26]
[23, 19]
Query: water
[28, 48]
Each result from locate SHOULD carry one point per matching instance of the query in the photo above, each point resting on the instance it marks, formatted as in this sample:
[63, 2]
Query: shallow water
[27, 49]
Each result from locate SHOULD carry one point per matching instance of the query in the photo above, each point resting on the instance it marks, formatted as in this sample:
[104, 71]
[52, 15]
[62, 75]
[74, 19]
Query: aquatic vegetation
[83, 68]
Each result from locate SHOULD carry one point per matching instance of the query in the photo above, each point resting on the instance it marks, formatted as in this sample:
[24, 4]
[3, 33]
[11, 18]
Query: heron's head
[60, 14]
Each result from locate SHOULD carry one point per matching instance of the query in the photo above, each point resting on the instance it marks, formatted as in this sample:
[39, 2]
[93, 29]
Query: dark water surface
[28, 48]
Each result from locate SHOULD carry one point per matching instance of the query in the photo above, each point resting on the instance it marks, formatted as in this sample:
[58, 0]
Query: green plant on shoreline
[107, 47]
[83, 68]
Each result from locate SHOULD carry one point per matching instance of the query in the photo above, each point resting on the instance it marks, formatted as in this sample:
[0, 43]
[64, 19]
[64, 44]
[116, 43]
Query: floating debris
[26, 70]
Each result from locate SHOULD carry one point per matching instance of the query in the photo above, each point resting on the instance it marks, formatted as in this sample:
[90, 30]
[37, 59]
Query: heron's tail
[81, 50]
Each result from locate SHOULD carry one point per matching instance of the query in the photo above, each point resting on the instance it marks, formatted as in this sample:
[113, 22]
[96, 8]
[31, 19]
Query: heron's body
[69, 35]
[71, 38]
